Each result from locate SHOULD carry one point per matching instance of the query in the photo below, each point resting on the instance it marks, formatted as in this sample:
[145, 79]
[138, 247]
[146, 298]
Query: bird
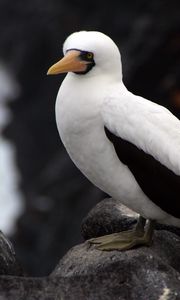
[126, 145]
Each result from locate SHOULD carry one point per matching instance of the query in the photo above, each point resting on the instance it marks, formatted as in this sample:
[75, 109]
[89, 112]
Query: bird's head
[88, 52]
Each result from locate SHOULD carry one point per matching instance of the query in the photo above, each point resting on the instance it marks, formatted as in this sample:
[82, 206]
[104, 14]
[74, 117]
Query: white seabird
[125, 144]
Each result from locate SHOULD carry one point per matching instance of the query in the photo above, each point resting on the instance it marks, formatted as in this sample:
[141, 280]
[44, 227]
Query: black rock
[86, 273]
[9, 264]
[17, 288]
[106, 217]
[89, 274]
[142, 273]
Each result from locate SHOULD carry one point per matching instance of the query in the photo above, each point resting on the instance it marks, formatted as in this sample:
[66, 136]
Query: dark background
[31, 35]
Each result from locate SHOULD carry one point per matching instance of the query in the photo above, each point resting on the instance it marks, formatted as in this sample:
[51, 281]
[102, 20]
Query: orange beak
[69, 63]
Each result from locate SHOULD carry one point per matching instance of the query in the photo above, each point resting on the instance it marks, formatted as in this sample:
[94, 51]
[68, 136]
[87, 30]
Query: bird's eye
[86, 56]
[89, 55]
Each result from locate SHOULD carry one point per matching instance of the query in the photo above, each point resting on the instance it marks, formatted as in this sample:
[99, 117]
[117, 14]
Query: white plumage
[86, 103]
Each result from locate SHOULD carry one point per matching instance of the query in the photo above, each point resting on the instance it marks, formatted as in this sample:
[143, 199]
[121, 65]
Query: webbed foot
[126, 239]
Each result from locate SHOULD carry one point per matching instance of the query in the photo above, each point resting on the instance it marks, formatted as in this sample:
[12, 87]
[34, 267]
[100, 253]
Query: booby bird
[126, 145]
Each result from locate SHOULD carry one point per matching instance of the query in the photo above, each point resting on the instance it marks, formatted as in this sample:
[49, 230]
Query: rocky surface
[143, 273]
[85, 273]
[106, 217]
[9, 264]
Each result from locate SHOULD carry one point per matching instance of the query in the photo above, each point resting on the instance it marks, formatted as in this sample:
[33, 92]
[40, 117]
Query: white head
[89, 53]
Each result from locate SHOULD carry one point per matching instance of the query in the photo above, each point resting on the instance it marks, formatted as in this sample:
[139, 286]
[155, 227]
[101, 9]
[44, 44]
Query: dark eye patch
[86, 56]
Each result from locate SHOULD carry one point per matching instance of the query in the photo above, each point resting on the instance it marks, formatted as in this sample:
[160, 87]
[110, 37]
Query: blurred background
[43, 197]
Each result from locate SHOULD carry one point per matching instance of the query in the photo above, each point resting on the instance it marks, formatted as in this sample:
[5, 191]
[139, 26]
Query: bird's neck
[83, 97]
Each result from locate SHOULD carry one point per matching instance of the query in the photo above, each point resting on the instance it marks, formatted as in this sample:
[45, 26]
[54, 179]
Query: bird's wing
[147, 125]
[146, 138]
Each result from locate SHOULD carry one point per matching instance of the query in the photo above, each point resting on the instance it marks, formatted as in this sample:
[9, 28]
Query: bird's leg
[139, 228]
[127, 239]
